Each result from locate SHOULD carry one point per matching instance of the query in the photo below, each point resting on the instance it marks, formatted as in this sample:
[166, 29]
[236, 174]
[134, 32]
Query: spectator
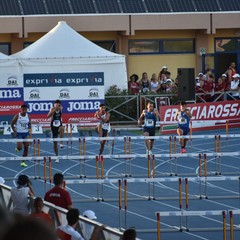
[72, 222]
[129, 234]
[133, 85]
[38, 211]
[225, 81]
[199, 89]
[208, 72]
[19, 195]
[163, 71]
[208, 87]
[201, 76]
[155, 84]
[219, 88]
[235, 86]
[230, 72]
[168, 76]
[197, 82]
[145, 83]
[89, 232]
[57, 195]
[26, 228]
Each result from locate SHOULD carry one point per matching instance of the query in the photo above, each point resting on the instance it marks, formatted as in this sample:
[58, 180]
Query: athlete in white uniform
[21, 126]
[104, 125]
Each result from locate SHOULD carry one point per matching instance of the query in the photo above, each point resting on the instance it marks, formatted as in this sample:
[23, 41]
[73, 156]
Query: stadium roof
[43, 7]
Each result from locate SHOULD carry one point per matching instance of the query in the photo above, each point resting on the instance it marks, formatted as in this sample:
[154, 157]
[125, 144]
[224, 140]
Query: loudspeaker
[186, 84]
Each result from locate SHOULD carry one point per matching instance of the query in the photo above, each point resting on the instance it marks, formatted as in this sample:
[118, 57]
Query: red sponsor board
[77, 118]
[211, 115]
[10, 108]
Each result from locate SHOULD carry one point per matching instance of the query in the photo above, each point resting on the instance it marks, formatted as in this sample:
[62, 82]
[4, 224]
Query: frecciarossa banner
[81, 93]
[211, 115]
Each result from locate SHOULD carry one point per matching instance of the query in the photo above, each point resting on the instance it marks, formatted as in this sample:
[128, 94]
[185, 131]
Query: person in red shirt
[57, 195]
[208, 87]
[219, 88]
[199, 89]
[133, 85]
[38, 212]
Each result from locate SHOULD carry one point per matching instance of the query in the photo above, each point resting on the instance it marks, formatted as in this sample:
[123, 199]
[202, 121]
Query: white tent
[63, 50]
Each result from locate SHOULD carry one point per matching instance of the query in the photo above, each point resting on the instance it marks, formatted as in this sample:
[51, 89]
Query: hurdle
[101, 160]
[127, 146]
[181, 228]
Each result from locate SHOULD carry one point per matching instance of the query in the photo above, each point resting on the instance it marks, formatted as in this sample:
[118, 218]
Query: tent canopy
[64, 42]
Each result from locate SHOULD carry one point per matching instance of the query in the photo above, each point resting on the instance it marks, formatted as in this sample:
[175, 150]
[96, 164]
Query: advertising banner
[211, 115]
[81, 93]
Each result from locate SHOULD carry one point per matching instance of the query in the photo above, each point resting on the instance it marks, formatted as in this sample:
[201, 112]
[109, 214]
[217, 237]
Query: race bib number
[182, 120]
[149, 123]
[56, 123]
[105, 126]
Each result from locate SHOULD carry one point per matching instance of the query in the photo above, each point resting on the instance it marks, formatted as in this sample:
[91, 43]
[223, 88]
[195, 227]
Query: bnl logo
[34, 94]
[93, 93]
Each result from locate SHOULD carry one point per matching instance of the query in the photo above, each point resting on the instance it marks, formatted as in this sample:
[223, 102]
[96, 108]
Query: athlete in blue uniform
[183, 117]
[150, 116]
[21, 126]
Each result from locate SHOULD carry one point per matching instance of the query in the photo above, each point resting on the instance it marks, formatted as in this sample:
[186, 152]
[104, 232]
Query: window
[225, 45]
[148, 46]
[5, 48]
[26, 44]
[108, 45]
[161, 46]
[178, 46]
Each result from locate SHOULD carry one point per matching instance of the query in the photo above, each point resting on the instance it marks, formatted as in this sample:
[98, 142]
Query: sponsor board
[74, 106]
[11, 94]
[9, 109]
[63, 79]
[70, 118]
[63, 93]
[211, 115]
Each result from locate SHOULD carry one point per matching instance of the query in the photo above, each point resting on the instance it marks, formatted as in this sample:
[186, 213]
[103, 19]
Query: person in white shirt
[70, 228]
[19, 195]
[21, 126]
[235, 86]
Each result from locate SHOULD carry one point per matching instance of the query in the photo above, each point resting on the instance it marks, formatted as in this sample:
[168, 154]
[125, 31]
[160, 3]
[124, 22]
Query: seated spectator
[155, 84]
[235, 86]
[38, 211]
[145, 83]
[133, 85]
[57, 195]
[72, 222]
[219, 88]
[129, 234]
[199, 89]
[19, 195]
[208, 87]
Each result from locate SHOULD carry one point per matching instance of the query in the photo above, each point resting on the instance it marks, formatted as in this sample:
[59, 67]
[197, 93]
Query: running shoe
[150, 152]
[147, 152]
[57, 160]
[23, 164]
[61, 146]
[183, 150]
[16, 150]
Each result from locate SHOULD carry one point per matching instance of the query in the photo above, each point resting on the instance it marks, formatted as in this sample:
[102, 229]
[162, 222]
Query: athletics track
[163, 196]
